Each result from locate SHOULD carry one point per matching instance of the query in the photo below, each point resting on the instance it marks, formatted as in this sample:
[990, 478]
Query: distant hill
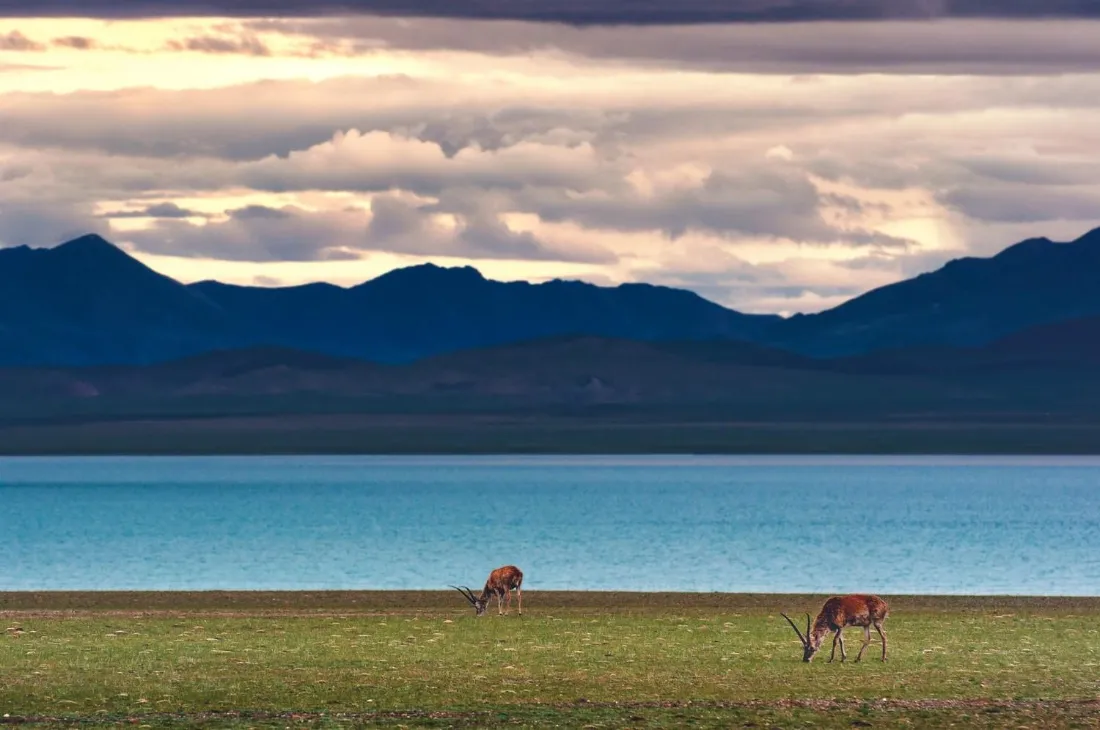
[1074, 341]
[969, 301]
[87, 302]
[551, 370]
[1068, 346]
[738, 380]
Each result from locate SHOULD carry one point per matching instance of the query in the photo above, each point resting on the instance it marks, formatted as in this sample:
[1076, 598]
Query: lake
[960, 525]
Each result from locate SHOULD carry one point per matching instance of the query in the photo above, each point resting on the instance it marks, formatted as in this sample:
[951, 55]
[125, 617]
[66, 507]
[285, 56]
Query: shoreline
[413, 601]
[347, 435]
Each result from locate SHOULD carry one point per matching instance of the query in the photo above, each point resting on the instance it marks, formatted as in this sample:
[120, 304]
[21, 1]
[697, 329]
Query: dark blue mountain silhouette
[424, 310]
[87, 302]
[969, 301]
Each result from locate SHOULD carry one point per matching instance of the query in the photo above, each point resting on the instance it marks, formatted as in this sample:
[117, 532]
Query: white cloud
[610, 153]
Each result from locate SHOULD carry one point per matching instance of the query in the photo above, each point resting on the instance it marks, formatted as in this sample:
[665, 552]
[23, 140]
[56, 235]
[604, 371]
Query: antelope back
[857, 609]
[504, 579]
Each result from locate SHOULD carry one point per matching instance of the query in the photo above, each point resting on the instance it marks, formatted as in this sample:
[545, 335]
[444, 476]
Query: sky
[772, 155]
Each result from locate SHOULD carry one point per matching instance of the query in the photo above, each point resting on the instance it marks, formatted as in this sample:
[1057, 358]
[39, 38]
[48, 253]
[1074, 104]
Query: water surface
[985, 525]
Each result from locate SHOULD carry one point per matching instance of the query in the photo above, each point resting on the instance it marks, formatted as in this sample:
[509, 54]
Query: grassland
[421, 659]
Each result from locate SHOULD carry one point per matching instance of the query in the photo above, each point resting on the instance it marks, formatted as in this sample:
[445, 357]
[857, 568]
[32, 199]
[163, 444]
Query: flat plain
[293, 433]
[585, 659]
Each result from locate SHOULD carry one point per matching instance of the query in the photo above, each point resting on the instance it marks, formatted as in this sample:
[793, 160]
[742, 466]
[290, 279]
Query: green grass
[588, 659]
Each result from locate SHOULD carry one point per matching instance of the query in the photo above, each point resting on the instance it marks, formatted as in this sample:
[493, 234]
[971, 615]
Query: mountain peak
[430, 269]
[88, 242]
[96, 256]
[429, 274]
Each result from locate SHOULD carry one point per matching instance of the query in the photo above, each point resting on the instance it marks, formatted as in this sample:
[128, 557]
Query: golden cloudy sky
[770, 166]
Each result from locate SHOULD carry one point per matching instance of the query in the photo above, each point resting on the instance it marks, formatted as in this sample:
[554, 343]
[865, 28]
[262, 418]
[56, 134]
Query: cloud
[759, 165]
[714, 272]
[957, 46]
[157, 210]
[1033, 169]
[16, 41]
[246, 121]
[256, 233]
[629, 12]
[35, 223]
[476, 186]
[248, 45]
[255, 120]
[76, 42]
[262, 233]
[377, 161]
[986, 46]
[1006, 203]
[776, 200]
[400, 226]
[908, 265]
[20, 67]
[768, 198]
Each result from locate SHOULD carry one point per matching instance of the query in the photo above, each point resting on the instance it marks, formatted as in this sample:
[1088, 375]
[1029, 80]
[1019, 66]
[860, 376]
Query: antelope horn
[465, 594]
[807, 628]
[800, 636]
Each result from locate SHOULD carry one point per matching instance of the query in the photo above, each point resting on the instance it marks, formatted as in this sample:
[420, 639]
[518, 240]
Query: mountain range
[88, 303]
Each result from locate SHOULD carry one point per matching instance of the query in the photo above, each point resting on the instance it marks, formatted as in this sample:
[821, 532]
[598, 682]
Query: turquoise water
[778, 524]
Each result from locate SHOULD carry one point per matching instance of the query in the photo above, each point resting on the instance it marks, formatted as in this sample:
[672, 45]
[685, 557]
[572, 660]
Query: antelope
[838, 612]
[500, 584]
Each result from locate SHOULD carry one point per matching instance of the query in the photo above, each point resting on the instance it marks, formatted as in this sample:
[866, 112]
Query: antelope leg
[866, 641]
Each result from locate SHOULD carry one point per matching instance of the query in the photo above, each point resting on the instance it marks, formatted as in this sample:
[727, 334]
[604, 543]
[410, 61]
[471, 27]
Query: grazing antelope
[838, 612]
[500, 584]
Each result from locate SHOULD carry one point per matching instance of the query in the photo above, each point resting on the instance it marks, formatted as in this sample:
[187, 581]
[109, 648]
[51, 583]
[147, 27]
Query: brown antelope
[838, 612]
[500, 584]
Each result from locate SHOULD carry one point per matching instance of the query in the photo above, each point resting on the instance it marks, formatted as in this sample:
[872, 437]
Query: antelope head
[808, 647]
[478, 604]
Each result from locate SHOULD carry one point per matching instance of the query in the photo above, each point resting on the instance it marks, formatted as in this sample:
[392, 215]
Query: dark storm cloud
[626, 12]
[966, 46]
